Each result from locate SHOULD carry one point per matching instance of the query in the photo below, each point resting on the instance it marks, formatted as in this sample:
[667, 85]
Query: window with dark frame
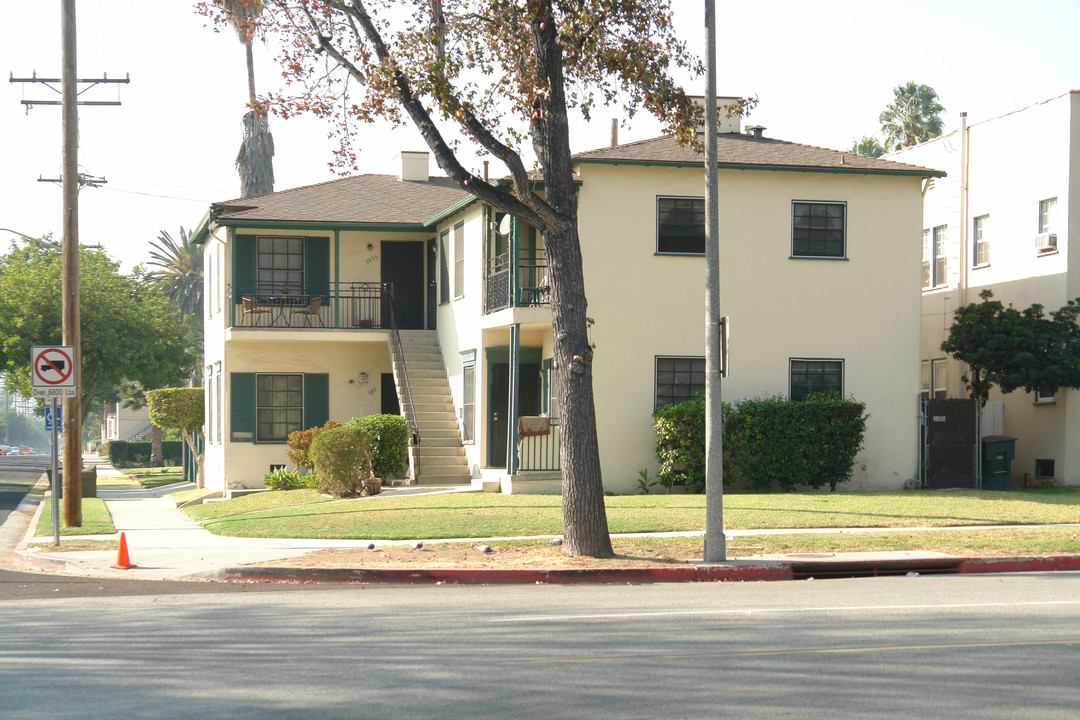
[818, 229]
[280, 264]
[679, 379]
[459, 260]
[444, 269]
[468, 396]
[680, 225]
[812, 376]
[279, 406]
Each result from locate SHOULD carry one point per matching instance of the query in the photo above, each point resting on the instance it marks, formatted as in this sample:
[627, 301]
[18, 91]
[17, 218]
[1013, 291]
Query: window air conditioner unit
[1044, 242]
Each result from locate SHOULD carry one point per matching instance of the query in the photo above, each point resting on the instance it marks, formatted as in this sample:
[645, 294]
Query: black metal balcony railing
[532, 290]
[352, 305]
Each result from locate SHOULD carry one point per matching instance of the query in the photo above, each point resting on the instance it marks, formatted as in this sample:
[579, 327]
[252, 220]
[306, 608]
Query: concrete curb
[745, 571]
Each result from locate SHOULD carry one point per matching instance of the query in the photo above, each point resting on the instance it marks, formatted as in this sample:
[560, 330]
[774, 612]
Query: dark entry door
[498, 407]
[403, 265]
[948, 458]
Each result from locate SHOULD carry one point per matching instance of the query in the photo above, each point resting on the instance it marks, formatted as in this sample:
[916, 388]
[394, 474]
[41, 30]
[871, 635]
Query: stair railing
[406, 394]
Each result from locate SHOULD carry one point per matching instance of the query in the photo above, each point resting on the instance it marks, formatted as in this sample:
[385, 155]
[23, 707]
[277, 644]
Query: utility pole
[715, 543]
[69, 248]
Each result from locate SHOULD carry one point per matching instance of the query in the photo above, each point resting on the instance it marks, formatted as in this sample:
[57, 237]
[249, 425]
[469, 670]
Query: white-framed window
[679, 379]
[1044, 398]
[935, 262]
[1046, 240]
[468, 397]
[680, 225]
[459, 260]
[981, 255]
[818, 229]
[934, 379]
[279, 406]
[811, 375]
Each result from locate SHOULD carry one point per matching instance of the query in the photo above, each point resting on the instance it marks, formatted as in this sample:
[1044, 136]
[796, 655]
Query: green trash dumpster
[998, 452]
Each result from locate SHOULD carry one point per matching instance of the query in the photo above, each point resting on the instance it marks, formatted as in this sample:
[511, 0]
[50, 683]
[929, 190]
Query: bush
[767, 441]
[123, 453]
[282, 479]
[300, 444]
[390, 443]
[342, 459]
[680, 443]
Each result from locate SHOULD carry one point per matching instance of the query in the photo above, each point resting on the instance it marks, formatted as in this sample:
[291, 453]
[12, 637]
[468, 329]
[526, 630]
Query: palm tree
[868, 146]
[254, 162]
[913, 117]
[180, 271]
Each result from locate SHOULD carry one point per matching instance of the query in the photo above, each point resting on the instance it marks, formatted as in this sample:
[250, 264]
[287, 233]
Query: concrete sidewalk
[164, 543]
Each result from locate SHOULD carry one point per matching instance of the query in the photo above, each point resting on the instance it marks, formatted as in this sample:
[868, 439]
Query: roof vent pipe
[757, 130]
[614, 132]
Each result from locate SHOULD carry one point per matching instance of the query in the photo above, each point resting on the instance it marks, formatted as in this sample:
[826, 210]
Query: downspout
[965, 235]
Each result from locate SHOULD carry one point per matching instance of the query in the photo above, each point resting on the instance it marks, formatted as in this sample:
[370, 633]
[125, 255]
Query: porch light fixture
[363, 377]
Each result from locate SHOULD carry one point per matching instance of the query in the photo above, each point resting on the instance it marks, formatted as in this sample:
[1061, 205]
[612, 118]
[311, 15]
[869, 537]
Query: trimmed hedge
[389, 442]
[342, 461]
[768, 442]
[123, 453]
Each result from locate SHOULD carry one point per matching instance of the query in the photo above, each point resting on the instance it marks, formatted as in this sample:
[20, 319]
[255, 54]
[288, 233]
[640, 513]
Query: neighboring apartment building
[122, 423]
[1002, 219]
[817, 277]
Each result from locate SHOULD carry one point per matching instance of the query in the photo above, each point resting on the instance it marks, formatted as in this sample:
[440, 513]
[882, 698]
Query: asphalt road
[18, 473]
[922, 647]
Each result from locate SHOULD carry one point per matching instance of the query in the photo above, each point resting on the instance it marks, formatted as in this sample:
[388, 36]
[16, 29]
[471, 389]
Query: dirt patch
[458, 555]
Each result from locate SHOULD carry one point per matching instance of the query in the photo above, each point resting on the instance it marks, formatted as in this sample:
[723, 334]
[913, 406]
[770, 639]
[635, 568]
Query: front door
[498, 406]
[403, 265]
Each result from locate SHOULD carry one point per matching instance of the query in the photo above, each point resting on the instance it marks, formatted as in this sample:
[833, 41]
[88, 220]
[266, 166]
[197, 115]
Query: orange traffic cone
[122, 560]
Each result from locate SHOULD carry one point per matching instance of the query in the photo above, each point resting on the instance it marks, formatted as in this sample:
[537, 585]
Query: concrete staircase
[440, 457]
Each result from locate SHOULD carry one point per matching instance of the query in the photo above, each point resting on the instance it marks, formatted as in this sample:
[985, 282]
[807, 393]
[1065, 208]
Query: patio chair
[312, 311]
[251, 308]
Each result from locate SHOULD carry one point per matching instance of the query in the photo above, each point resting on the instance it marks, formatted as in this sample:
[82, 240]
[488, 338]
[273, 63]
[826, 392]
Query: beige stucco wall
[864, 310]
[1015, 161]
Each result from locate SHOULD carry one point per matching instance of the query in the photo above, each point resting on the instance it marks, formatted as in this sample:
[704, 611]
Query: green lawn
[304, 513]
[95, 518]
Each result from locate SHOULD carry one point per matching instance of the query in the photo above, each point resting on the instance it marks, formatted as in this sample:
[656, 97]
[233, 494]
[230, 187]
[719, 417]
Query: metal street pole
[715, 543]
[55, 478]
[69, 251]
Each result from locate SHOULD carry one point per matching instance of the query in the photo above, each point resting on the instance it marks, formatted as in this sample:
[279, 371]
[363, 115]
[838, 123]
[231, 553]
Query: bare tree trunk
[156, 454]
[195, 455]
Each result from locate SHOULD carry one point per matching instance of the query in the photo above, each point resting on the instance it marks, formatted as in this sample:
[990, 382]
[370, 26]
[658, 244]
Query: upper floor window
[935, 264]
[280, 264]
[982, 240]
[812, 375]
[1046, 240]
[818, 229]
[680, 225]
[459, 260]
[679, 378]
[468, 396]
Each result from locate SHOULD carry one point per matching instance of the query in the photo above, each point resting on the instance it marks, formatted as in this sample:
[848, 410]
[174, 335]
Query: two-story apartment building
[1002, 220]
[381, 293]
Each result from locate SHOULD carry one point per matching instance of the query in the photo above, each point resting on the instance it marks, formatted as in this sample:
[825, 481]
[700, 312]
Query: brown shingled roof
[738, 150]
[382, 199]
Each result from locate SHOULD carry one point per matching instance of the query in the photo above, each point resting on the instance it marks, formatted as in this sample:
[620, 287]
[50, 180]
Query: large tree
[1016, 349]
[131, 335]
[502, 73]
[913, 116]
[179, 270]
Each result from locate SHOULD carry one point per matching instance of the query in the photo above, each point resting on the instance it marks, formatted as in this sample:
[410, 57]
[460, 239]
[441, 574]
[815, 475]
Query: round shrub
[342, 461]
[390, 443]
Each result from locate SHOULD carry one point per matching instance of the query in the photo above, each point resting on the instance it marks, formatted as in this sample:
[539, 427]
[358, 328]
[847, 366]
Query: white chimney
[414, 165]
[724, 124]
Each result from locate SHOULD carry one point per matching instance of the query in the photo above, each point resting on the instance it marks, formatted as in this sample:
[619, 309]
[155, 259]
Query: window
[266, 407]
[810, 376]
[940, 379]
[1046, 240]
[280, 264]
[444, 269]
[459, 260]
[1044, 469]
[935, 262]
[468, 396]
[982, 240]
[1044, 398]
[925, 384]
[680, 225]
[279, 406]
[817, 229]
[679, 378]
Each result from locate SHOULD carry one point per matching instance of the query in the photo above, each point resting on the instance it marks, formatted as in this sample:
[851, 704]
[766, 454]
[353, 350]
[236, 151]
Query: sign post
[52, 372]
[55, 479]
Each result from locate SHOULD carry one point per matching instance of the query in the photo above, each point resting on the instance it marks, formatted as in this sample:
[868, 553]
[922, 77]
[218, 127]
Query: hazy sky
[823, 71]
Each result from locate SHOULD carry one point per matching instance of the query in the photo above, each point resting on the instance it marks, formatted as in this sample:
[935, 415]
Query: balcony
[527, 287]
[343, 305]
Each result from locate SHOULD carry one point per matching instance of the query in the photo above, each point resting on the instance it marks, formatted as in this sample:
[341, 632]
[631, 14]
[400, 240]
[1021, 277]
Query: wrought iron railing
[352, 305]
[408, 409]
[532, 282]
[540, 452]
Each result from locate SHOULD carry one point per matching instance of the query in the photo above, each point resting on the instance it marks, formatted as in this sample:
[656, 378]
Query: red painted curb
[468, 576]
[36, 561]
[1019, 564]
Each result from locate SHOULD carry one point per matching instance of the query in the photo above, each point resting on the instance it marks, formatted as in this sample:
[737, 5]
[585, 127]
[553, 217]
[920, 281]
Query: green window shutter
[242, 407]
[317, 266]
[244, 266]
[316, 399]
